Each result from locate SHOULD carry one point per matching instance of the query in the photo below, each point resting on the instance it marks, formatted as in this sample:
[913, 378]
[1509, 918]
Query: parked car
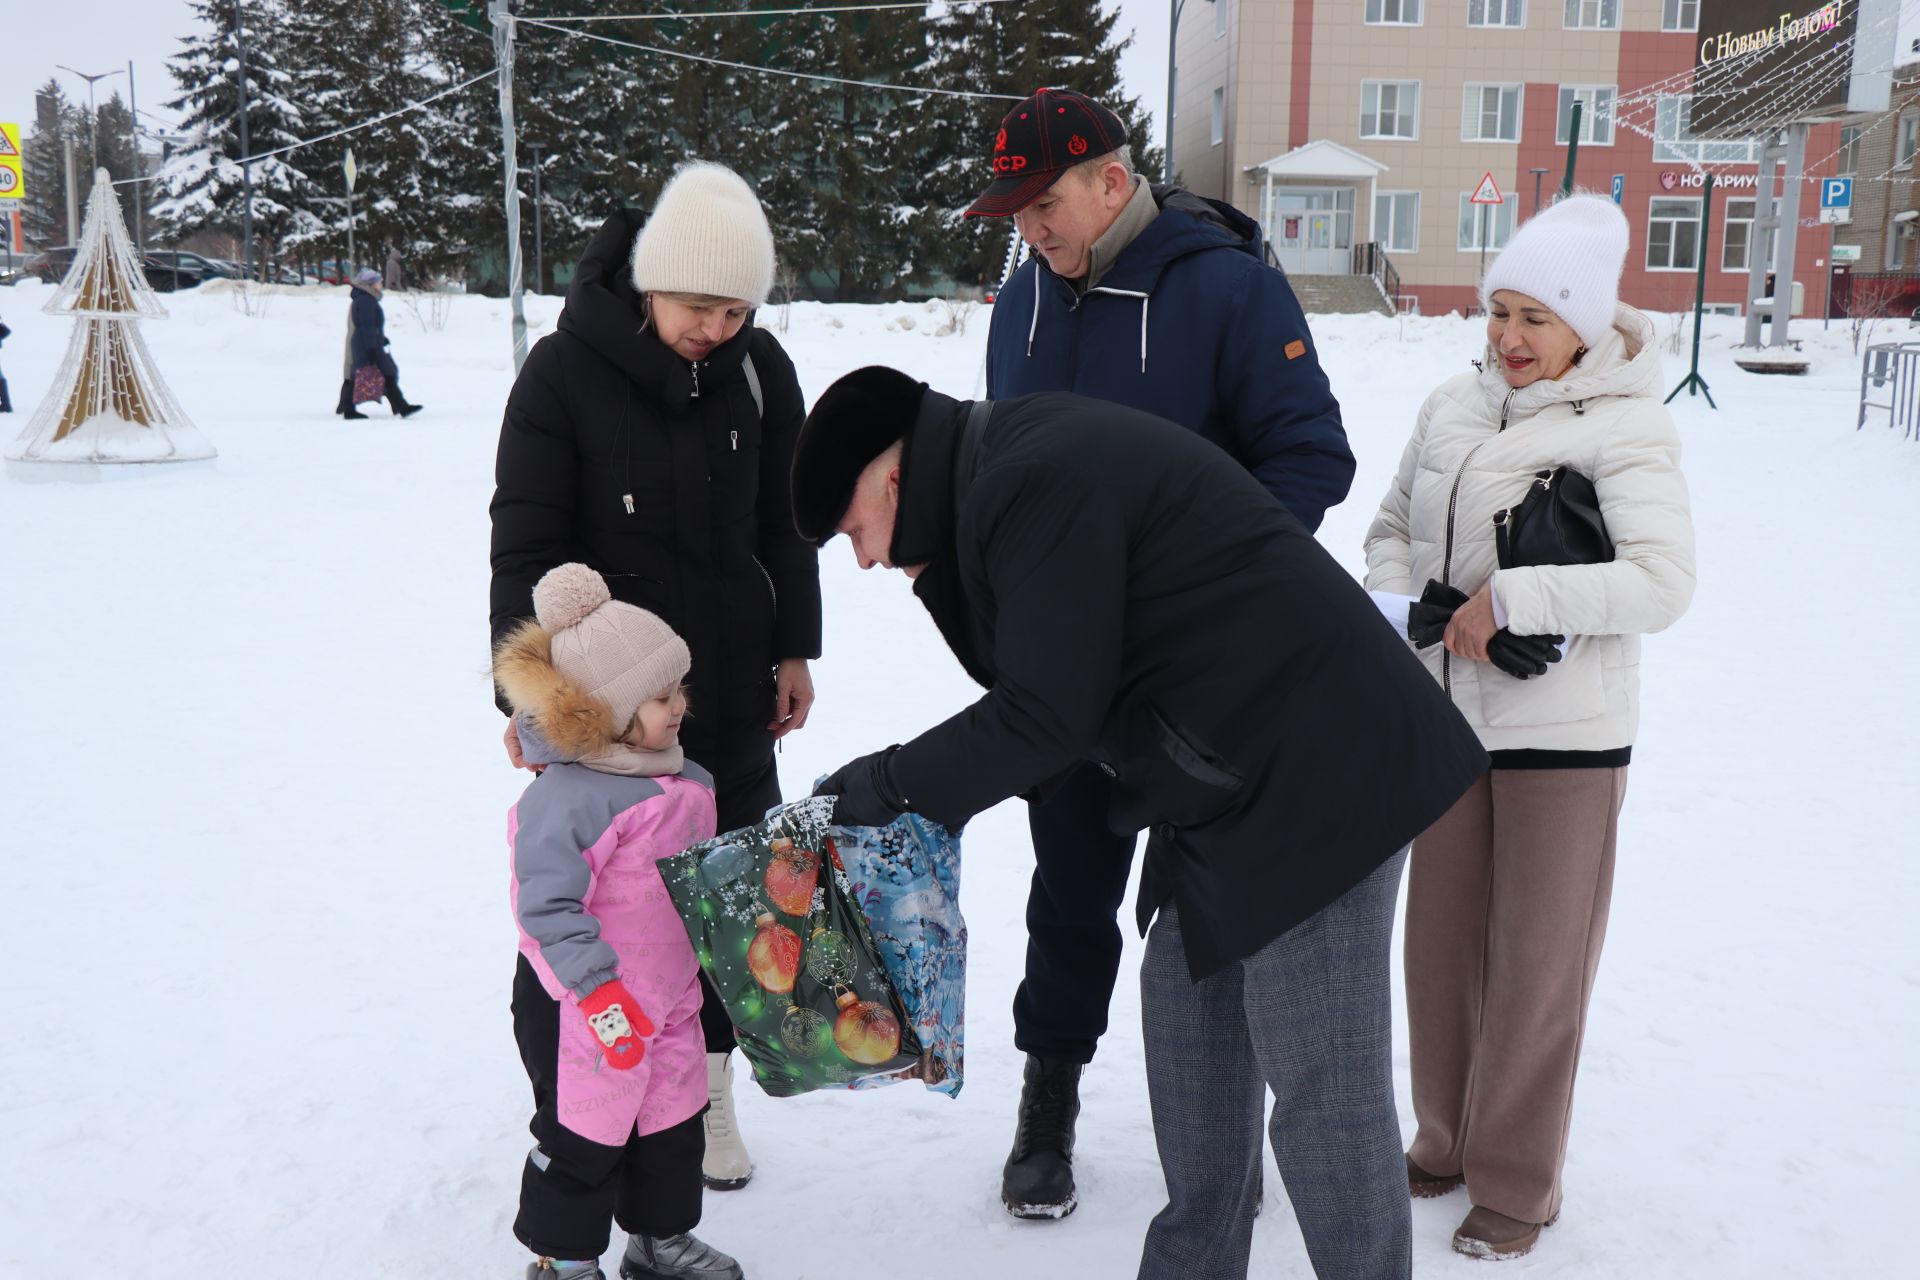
[51, 265]
[170, 269]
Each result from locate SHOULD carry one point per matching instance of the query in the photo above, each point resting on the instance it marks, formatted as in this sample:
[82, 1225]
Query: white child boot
[727, 1166]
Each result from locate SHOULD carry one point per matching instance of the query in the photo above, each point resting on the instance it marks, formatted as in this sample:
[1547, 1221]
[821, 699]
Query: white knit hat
[610, 650]
[708, 234]
[1568, 256]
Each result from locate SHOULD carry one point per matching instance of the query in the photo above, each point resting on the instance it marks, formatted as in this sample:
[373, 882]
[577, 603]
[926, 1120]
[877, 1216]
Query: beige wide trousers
[1507, 898]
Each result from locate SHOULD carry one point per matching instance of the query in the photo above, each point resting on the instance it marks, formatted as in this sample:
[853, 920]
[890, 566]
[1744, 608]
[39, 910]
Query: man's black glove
[1523, 656]
[867, 794]
[1428, 616]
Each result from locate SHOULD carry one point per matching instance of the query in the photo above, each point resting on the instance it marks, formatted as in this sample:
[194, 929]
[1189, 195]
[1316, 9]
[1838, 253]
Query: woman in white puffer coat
[1508, 893]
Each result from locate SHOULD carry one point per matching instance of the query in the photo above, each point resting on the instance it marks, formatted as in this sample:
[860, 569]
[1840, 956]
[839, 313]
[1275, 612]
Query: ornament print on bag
[770, 913]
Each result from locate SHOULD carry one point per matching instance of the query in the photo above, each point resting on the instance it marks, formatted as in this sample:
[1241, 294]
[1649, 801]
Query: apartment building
[1344, 123]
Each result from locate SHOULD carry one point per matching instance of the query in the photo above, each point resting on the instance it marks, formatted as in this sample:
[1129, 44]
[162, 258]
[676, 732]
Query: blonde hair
[701, 300]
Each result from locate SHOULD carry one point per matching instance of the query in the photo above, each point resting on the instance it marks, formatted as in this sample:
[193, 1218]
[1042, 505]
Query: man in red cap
[1160, 300]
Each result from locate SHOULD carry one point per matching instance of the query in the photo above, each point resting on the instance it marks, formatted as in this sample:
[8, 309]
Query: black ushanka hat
[852, 423]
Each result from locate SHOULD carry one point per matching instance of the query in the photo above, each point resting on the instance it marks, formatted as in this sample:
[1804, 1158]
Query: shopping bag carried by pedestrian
[369, 384]
[906, 881]
[770, 912]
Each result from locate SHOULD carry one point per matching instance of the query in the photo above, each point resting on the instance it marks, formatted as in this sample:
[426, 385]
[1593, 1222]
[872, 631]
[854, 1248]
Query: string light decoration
[108, 402]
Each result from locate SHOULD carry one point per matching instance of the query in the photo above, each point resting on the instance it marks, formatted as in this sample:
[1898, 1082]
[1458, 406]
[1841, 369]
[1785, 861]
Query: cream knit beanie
[613, 651]
[1568, 256]
[708, 234]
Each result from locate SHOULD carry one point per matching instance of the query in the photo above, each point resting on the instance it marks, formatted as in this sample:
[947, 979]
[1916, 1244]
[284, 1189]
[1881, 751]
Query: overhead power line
[766, 71]
[668, 16]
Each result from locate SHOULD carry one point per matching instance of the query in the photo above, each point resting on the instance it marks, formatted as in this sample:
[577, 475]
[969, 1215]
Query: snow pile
[259, 949]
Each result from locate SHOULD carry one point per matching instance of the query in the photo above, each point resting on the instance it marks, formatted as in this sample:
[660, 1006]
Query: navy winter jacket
[369, 328]
[1188, 324]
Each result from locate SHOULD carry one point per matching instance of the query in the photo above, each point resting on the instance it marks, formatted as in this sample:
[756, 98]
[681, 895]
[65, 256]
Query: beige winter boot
[727, 1166]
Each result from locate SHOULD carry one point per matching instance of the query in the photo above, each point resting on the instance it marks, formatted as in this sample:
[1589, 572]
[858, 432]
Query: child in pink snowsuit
[606, 996]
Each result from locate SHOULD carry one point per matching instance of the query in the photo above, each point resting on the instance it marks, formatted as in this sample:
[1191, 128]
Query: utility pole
[139, 165]
[539, 260]
[501, 13]
[246, 146]
[73, 197]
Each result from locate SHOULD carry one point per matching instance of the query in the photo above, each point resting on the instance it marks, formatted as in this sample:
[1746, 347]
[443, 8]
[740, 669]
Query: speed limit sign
[12, 181]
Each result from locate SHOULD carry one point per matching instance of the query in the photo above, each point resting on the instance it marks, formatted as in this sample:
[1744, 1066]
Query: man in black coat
[1130, 596]
[1157, 299]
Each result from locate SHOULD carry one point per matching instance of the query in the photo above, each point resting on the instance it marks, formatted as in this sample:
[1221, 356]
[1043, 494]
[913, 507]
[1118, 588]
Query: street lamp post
[93, 118]
[1537, 175]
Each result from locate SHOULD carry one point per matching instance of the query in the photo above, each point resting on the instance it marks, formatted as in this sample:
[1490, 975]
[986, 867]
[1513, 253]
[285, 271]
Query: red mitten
[618, 1023]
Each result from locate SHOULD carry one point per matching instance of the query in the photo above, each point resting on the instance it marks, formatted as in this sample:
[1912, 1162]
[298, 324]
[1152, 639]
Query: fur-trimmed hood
[574, 724]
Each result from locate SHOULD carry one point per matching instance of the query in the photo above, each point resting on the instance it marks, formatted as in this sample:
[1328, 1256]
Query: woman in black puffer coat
[650, 437]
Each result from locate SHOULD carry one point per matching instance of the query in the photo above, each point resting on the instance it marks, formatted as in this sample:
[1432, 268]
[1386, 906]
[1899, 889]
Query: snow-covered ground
[254, 968]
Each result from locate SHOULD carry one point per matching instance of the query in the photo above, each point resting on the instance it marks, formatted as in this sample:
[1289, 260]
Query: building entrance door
[1312, 229]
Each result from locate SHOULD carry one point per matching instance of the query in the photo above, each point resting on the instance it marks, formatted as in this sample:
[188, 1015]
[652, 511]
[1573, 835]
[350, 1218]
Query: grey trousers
[1308, 1016]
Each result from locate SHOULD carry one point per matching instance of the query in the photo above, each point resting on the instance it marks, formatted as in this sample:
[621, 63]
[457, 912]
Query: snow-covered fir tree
[842, 170]
[114, 136]
[200, 187]
[44, 214]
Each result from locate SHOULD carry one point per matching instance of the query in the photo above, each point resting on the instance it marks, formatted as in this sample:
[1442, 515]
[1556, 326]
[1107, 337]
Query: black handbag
[1557, 522]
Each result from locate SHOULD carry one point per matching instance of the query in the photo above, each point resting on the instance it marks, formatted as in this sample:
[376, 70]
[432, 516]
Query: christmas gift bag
[369, 384]
[906, 881]
[770, 912]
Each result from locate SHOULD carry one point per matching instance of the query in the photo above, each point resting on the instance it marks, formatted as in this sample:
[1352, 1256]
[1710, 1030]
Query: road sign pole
[1573, 148]
[1826, 304]
[1483, 242]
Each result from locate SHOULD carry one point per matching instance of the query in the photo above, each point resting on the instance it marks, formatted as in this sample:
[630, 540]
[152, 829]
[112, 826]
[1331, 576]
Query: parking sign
[1836, 193]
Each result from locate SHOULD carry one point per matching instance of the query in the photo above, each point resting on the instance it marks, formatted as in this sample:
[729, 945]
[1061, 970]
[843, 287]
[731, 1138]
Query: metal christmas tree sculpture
[108, 402]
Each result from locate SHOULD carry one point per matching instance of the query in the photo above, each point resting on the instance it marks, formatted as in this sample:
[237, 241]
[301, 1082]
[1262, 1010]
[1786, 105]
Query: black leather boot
[1038, 1179]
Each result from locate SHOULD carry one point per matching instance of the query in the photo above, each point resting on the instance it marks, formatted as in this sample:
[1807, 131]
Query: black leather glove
[1523, 656]
[1428, 616]
[867, 794]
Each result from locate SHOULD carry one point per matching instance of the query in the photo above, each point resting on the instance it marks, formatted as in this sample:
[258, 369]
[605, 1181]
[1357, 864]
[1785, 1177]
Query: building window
[1496, 13]
[1673, 137]
[1680, 15]
[1737, 242]
[1673, 235]
[1909, 142]
[1593, 15]
[1850, 149]
[1396, 221]
[1394, 13]
[1596, 113]
[1219, 18]
[1499, 219]
[1390, 108]
[1490, 113]
[1219, 116]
